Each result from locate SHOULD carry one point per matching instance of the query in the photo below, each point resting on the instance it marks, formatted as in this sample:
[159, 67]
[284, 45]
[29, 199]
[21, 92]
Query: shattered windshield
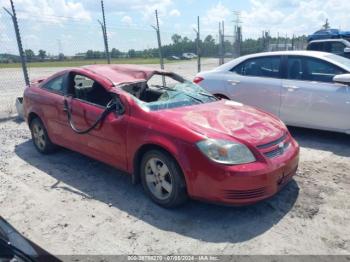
[168, 92]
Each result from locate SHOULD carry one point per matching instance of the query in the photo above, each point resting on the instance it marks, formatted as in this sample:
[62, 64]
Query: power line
[58, 18]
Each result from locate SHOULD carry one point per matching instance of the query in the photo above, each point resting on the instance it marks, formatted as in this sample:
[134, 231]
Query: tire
[40, 137]
[162, 179]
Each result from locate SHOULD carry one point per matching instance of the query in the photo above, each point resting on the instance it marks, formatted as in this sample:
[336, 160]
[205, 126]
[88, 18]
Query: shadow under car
[206, 222]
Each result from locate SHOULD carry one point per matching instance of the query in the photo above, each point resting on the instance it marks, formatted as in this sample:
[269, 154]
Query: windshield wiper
[208, 95]
[15, 251]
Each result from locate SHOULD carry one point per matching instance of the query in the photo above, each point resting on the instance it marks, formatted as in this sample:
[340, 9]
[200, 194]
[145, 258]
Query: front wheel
[162, 179]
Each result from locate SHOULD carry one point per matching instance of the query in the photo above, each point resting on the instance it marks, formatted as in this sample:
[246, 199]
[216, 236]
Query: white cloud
[294, 17]
[174, 12]
[52, 11]
[126, 20]
[216, 14]
[144, 7]
[148, 10]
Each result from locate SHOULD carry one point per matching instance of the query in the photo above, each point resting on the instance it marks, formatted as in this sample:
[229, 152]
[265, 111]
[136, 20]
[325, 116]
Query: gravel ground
[71, 204]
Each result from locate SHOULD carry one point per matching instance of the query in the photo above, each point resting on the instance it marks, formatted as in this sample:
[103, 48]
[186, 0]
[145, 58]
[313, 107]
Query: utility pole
[19, 42]
[220, 44]
[104, 40]
[263, 41]
[268, 40]
[104, 31]
[285, 42]
[237, 34]
[198, 39]
[161, 60]
[59, 45]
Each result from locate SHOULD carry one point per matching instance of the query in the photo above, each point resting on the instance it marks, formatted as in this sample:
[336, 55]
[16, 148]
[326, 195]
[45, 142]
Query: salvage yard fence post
[161, 60]
[104, 32]
[19, 42]
[104, 35]
[198, 42]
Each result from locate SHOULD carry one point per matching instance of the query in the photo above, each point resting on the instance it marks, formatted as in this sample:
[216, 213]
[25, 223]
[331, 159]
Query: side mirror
[342, 79]
[347, 50]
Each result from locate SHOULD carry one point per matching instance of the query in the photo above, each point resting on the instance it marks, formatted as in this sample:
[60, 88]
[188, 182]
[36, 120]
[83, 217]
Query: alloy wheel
[39, 136]
[158, 178]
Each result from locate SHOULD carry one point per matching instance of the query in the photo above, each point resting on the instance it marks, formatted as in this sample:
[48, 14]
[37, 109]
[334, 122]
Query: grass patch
[76, 63]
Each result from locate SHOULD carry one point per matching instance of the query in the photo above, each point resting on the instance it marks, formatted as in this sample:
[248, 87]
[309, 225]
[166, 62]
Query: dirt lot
[70, 204]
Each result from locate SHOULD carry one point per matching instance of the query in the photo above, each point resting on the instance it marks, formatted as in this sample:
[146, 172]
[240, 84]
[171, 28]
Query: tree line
[209, 47]
[178, 46]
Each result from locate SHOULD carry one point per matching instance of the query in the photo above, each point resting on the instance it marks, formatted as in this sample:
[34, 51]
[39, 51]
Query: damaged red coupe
[167, 132]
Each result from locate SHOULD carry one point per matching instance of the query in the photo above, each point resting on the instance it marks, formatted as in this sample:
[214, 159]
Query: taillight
[198, 79]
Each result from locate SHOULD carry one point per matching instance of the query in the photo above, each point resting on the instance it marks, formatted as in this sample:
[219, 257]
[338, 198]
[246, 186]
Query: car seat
[98, 95]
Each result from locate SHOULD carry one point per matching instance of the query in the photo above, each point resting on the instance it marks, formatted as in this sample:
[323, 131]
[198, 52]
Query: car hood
[226, 118]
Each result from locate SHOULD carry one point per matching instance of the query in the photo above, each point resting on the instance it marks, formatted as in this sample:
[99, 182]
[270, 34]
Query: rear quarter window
[55, 85]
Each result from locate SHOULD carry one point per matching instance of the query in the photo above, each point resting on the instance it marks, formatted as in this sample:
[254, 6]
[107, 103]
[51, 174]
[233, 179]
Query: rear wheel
[40, 138]
[162, 179]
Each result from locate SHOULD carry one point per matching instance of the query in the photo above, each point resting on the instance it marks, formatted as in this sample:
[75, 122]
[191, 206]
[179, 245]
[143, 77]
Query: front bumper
[241, 184]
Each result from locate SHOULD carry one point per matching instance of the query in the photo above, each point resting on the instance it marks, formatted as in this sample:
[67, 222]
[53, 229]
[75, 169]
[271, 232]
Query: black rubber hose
[110, 107]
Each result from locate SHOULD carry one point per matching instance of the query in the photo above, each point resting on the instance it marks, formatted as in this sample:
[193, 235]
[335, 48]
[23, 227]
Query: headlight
[226, 152]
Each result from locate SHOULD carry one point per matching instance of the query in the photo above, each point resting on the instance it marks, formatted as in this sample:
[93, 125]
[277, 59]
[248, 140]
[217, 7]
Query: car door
[311, 99]
[51, 102]
[87, 101]
[256, 82]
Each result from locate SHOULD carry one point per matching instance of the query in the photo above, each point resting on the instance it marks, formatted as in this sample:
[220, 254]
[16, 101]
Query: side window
[316, 47]
[86, 89]
[261, 66]
[82, 86]
[55, 84]
[321, 71]
[337, 48]
[294, 68]
[238, 68]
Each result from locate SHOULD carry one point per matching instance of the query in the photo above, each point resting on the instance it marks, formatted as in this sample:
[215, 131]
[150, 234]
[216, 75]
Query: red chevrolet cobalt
[165, 131]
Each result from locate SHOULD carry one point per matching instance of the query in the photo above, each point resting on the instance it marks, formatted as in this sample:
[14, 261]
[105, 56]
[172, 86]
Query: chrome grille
[275, 148]
[273, 143]
[277, 152]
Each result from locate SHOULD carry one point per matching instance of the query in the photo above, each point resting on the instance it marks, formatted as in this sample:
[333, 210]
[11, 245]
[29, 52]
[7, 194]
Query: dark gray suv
[335, 46]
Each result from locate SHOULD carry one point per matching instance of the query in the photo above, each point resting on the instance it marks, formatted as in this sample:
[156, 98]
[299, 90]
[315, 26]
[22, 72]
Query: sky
[71, 26]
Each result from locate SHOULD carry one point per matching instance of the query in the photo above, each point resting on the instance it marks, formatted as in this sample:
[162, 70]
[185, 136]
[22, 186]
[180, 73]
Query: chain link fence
[266, 42]
[51, 43]
[11, 79]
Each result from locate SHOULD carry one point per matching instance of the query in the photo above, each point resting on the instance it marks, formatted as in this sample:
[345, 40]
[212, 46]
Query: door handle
[291, 88]
[234, 82]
